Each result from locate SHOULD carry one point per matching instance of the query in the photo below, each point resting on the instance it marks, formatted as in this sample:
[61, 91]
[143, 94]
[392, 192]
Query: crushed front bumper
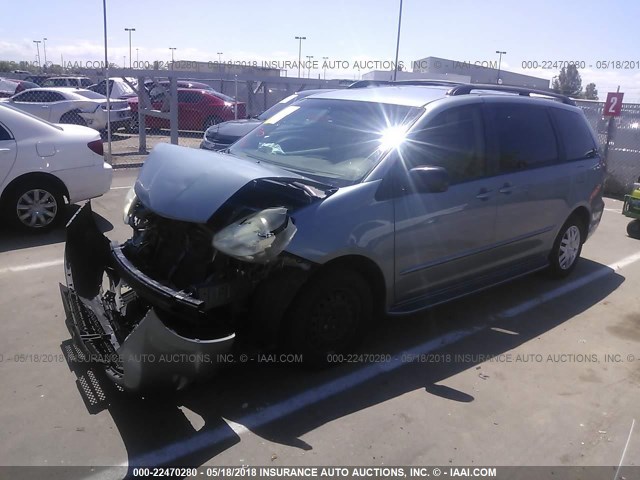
[152, 353]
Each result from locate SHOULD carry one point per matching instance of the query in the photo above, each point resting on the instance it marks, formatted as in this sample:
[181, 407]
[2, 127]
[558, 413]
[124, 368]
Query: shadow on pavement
[16, 239]
[282, 403]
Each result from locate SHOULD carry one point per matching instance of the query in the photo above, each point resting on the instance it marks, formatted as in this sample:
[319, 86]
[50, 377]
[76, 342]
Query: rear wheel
[132, 125]
[566, 249]
[35, 206]
[329, 315]
[633, 229]
[73, 118]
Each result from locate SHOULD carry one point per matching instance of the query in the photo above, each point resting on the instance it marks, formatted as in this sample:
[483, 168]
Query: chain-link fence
[207, 101]
[623, 156]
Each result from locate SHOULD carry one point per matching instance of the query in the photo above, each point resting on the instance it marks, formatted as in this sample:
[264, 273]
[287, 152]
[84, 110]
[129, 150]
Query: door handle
[44, 106]
[507, 188]
[484, 194]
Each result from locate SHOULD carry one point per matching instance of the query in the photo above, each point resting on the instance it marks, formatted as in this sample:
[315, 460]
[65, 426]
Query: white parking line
[205, 439]
[120, 188]
[31, 266]
[253, 421]
[624, 452]
[570, 286]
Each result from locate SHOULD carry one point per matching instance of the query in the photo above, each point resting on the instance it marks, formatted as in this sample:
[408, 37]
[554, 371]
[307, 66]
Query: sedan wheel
[35, 205]
[37, 208]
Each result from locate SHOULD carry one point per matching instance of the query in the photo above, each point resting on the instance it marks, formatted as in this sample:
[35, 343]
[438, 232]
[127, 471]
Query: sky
[343, 30]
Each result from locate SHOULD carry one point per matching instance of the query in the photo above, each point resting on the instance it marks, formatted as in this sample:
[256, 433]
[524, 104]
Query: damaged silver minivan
[345, 205]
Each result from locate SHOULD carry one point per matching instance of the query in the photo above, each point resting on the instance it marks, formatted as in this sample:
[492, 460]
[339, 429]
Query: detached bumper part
[152, 355]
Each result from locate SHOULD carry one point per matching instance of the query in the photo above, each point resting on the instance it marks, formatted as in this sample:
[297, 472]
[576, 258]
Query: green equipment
[631, 209]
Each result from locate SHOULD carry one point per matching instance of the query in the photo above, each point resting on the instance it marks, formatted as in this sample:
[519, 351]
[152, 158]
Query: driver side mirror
[429, 179]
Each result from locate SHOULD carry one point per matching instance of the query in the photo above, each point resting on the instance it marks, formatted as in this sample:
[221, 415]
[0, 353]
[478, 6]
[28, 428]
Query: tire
[35, 205]
[73, 118]
[566, 249]
[328, 316]
[210, 121]
[132, 126]
[633, 229]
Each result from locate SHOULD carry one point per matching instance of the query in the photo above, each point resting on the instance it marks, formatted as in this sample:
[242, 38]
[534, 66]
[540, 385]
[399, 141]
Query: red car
[9, 86]
[197, 109]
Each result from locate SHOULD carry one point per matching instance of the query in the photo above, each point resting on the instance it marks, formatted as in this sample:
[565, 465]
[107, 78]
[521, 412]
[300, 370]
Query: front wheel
[566, 249]
[633, 229]
[329, 315]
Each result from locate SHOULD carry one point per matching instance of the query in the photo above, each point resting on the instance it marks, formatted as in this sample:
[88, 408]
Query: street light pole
[395, 70]
[44, 47]
[137, 58]
[172, 50]
[38, 42]
[499, 65]
[325, 67]
[300, 52]
[219, 57]
[309, 57]
[130, 30]
[106, 74]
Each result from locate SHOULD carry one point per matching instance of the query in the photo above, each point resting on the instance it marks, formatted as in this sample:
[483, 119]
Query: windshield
[270, 112]
[334, 141]
[90, 94]
[221, 96]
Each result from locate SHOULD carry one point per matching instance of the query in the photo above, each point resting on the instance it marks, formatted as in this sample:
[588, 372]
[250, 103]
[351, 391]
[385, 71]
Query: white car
[81, 82]
[118, 88]
[42, 164]
[72, 105]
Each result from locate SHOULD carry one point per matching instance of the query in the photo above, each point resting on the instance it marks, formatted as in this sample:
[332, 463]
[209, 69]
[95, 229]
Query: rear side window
[454, 140]
[85, 82]
[524, 135]
[575, 134]
[188, 97]
[29, 97]
[4, 134]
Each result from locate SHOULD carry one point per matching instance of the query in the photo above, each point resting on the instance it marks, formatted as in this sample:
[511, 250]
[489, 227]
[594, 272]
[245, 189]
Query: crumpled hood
[190, 185]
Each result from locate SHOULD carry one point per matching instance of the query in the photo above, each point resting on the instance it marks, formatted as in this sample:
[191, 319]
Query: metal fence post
[173, 108]
[235, 109]
[142, 122]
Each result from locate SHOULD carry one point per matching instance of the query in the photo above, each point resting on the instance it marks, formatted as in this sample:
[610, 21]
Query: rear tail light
[96, 146]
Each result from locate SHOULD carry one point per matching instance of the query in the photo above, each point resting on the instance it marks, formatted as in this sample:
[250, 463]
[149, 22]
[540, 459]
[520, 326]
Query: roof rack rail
[370, 83]
[427, 82]
[465, 89]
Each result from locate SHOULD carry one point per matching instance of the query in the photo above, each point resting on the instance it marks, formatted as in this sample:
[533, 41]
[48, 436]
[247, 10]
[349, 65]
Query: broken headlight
[258, 238]
[129, 204]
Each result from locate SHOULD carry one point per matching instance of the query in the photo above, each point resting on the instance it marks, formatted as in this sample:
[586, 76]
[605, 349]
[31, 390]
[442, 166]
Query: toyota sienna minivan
[344, 205]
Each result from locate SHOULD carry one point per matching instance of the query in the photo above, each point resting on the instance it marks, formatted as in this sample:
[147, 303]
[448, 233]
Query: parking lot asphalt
[535, 372]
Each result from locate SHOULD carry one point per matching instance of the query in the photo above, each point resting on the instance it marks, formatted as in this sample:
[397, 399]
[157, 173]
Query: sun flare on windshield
[392, 137]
